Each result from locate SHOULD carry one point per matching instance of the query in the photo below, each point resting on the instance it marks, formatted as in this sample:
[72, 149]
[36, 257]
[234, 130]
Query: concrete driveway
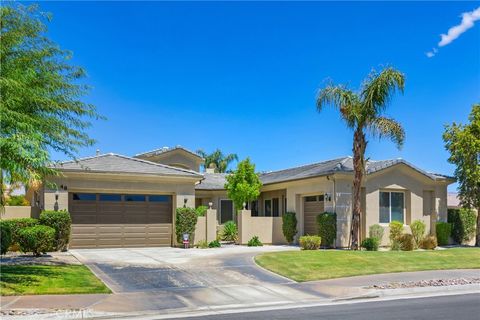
[154, 269]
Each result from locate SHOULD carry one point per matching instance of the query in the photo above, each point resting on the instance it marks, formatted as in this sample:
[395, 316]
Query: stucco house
[120, 201]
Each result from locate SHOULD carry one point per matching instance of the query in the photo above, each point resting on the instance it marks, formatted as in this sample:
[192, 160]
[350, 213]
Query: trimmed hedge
[444, 230]
[19, 224]
[289, 226]
[62, 223]
[327, 228]
[254, 242]
[38, 239]
[370, 244]
[463, 224]
[185, 222]
[310, 242]
[201, 211]
[5, 236]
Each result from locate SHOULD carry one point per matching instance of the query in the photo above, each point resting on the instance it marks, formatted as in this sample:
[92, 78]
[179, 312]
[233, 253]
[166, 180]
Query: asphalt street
[456, 307]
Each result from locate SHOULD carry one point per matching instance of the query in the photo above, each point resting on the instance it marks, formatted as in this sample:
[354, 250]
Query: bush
[376, 231]
[418, 231]
[214, 244]
[201, 211]
[254, 242]
[289, 226]
[18, 224]
[429, 243]
[202, 244]
[406, 242]
[17, 201]
[38, 239]
[62, 223]
[327, 228]
[186, 221]
[370, 244]
[444, 230]
[463, 224]
[310, 242]
[5, 236]
[396, 230]
[230, 232]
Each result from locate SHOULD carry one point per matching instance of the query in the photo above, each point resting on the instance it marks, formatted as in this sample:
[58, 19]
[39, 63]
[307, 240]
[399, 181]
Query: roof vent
[97, 153]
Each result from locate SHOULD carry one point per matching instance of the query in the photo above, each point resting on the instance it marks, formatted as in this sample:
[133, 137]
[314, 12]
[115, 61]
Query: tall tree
[463, 143]
[217, 160]
[243, 185]
[363, 113]
[41, 106]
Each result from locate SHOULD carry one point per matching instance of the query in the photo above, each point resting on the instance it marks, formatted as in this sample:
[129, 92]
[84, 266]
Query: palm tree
[363, 113]
[217, 160]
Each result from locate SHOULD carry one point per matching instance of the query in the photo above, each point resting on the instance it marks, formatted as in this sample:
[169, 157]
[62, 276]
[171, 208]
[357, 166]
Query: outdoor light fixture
[210, 204]
[56, 195]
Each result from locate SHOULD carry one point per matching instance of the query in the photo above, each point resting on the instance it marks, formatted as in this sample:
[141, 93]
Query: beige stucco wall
[14, 212]
[206, 228]
[268, 229]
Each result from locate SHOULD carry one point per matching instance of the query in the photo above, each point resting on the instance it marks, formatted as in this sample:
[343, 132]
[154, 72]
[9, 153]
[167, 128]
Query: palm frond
[383, 127]
[378, 89]
[341, 98]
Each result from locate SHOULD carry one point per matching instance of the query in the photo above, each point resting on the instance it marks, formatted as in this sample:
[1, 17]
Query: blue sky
[243, 77]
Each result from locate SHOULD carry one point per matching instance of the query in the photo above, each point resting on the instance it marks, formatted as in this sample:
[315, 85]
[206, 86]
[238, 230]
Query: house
[115, 200]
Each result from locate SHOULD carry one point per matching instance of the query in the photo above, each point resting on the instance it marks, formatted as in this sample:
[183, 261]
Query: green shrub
[38, 239]
[62, 223]
[18, 200]
[289, 226]
[406, 242]
[444, 230]
[429, 243]
[230, 232]
[327, 228]
[214, 244]
[5, 236]
[201, 211]
[418, 231]
[376, 231]
[396, 230]
[463, 224]
[186, 221]
[202, 244]
[18, 224]
[310, 242]
[370, 244]
[254, 242]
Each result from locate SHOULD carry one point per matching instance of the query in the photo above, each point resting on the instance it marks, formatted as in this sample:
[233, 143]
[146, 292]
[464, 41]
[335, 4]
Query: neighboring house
[116, 200]
[453, 201]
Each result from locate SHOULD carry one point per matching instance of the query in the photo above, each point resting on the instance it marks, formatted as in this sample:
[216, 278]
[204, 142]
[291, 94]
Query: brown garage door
[120, 220]
[312, 207]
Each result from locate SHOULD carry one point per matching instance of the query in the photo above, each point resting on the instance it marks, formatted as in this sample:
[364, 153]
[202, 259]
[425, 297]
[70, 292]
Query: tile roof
[212, 181]
[165, 150]
[115, 163]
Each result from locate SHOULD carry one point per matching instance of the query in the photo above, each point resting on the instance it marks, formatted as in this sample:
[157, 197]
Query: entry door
[312, 207]
[226, 210]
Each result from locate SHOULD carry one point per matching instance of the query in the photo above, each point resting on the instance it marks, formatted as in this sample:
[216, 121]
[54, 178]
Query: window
[285, 206]
[311, 198]
[226, 211]
[321, 197]
[268, 208]
[159, 198]
[110, 197]
[85, 196]
[392, 207]
[275, 207]
[254, 208]
[134, 197]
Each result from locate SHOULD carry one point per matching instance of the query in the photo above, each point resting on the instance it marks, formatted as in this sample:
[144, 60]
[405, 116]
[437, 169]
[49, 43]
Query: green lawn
[44, 279]
[327, 264]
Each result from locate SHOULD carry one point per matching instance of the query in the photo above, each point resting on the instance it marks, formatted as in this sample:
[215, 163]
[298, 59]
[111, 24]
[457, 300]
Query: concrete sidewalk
[187, 300]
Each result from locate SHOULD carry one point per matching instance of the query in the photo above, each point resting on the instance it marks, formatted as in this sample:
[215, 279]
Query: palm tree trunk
[477, 239]
[359, 145]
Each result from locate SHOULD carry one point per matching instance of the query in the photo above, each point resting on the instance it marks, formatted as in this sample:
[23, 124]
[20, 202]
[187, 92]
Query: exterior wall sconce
[328, 197]
[185, 200]
[56, 195]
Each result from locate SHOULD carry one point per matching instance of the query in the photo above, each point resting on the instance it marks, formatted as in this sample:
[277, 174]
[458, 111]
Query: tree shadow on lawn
[16, 277]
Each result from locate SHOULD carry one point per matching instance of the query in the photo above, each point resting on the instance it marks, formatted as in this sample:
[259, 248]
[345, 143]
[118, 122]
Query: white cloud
[468, 20]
